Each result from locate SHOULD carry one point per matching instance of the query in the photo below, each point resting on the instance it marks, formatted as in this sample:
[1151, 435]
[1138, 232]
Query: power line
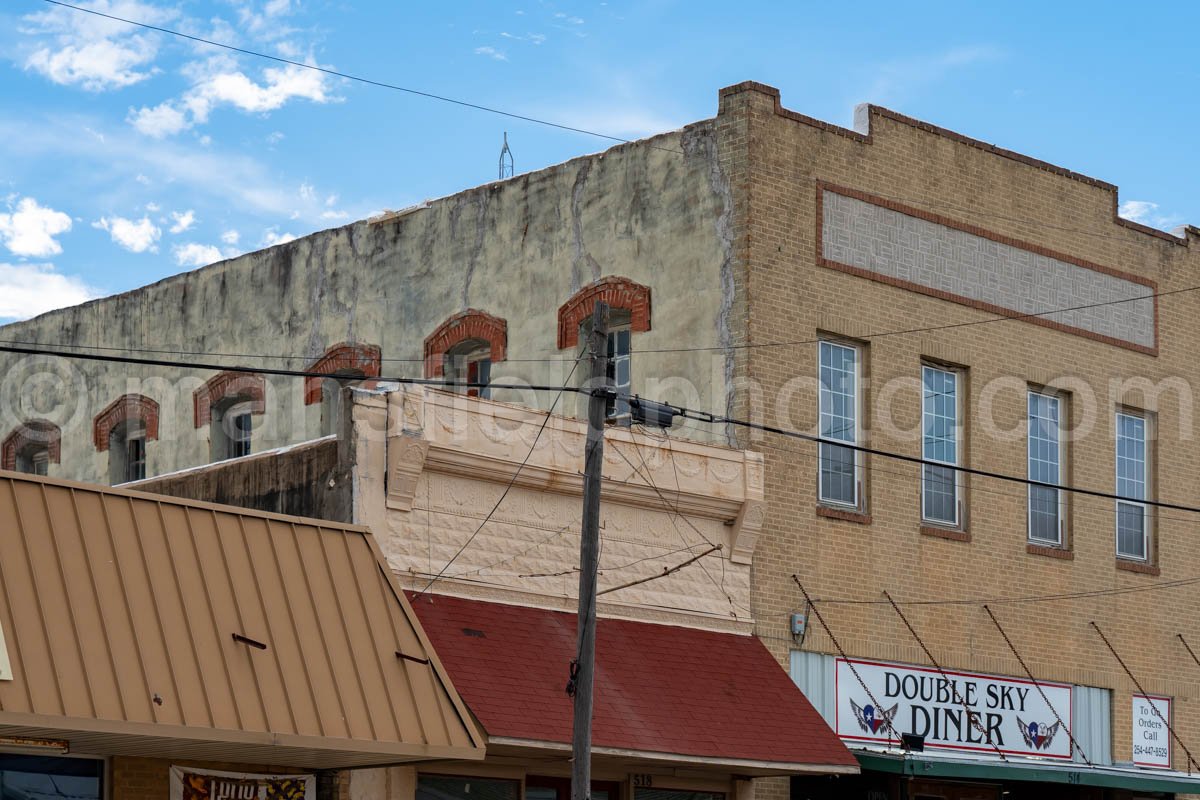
[686, 413]
[349, 76]
[1042, 598]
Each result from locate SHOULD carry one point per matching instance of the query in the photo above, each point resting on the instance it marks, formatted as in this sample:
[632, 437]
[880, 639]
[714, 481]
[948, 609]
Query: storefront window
[442, 787]
[49, 778]
[671, 794]
[540, 787]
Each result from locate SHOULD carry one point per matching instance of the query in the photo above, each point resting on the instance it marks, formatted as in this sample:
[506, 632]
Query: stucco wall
[655, 211]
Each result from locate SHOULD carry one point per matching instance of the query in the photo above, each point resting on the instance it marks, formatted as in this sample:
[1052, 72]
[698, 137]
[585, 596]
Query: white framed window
[1047, 504]
[127, 452]
[1133, 462]
[839, 467]
[34, 460]
[941, 427]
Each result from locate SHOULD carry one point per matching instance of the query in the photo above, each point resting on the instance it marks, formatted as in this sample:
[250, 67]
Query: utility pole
[589, 555]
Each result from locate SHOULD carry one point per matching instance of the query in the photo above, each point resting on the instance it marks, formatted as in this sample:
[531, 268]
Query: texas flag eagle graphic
[871, 719]
[1038, 735]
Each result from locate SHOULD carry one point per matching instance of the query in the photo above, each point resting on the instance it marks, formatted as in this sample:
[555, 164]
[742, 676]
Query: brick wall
[775, 160]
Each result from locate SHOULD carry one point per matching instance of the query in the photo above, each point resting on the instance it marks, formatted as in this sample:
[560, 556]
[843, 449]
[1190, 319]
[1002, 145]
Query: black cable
[699, 416]
[350, 77]
[289, 373]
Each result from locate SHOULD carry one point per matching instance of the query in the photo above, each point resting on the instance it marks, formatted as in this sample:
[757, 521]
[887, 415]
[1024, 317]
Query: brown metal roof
[120, 611]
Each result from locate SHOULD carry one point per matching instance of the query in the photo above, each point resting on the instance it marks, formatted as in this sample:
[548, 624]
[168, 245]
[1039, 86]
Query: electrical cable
[516, 473]
[348, 76]
[686, 413]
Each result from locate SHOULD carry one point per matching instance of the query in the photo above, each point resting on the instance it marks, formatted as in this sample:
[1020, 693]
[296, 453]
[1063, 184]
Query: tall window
[619, 365]
[470, 362]
[232, 428]
[1047, 507]
[940, 443]
[1132, 484]
[127, 452]
[838, 473]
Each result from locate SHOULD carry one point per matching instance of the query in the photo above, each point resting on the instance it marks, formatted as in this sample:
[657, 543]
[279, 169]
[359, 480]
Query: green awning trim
[920, 765]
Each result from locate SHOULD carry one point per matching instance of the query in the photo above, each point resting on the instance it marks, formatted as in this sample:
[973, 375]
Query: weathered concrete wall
[654, 211]
[306, 480]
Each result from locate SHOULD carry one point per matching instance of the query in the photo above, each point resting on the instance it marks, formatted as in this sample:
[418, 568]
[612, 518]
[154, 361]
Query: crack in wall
[701, 142]
[578, 252]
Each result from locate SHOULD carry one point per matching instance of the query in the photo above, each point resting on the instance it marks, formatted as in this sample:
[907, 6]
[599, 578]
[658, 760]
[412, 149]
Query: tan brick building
[845, 235]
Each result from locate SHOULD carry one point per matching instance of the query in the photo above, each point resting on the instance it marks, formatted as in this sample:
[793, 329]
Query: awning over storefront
[143, 625]
[958, 767]
[665, 693]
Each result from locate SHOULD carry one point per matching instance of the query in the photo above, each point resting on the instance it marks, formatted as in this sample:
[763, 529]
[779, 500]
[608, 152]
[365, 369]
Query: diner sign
[952, 710]
[1151, 738]
[202, 784]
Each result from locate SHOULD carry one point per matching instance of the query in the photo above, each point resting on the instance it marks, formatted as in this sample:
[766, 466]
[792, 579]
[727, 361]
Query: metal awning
[944, 765]
[145, 625]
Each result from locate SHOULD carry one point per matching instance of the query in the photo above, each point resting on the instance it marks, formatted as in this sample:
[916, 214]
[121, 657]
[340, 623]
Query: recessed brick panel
[618, 292]
[469, 324]
[124, 408]
[878, 239]
[363, 359]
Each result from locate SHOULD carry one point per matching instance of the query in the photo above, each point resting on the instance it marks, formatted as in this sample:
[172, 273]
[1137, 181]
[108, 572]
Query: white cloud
[334, 215]
[158, 121]
[92, 52]
[153, 208]
[136, 236]
[1147, 213]
[532, 38]
[30, 229]
[229, 88]
[230, 237]
[272, 238]
[183, 221]
[196, 255]
[491, 52]
[27, 290]
[307, 192]
[895, 81]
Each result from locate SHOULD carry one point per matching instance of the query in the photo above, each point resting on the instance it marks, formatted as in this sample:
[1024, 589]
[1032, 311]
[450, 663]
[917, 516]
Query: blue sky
[127, 155]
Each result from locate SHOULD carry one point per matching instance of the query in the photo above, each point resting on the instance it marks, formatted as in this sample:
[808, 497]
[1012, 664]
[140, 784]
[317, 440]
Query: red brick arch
[125, 408]
[360, 359]
[618, 292]
[229, 384]
[469, 324]
[33, 431]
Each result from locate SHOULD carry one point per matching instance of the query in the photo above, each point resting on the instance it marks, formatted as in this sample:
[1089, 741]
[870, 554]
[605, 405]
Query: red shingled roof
[659, 688]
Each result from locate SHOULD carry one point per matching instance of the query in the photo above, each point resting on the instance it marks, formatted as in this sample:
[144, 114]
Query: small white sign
[1151, 739]
[5, 666]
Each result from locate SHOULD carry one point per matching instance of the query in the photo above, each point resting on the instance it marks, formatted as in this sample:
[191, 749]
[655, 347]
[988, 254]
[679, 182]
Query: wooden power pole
[589, 555]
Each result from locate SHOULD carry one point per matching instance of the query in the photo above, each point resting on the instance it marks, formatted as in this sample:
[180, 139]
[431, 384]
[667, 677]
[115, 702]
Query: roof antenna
[506, 160]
